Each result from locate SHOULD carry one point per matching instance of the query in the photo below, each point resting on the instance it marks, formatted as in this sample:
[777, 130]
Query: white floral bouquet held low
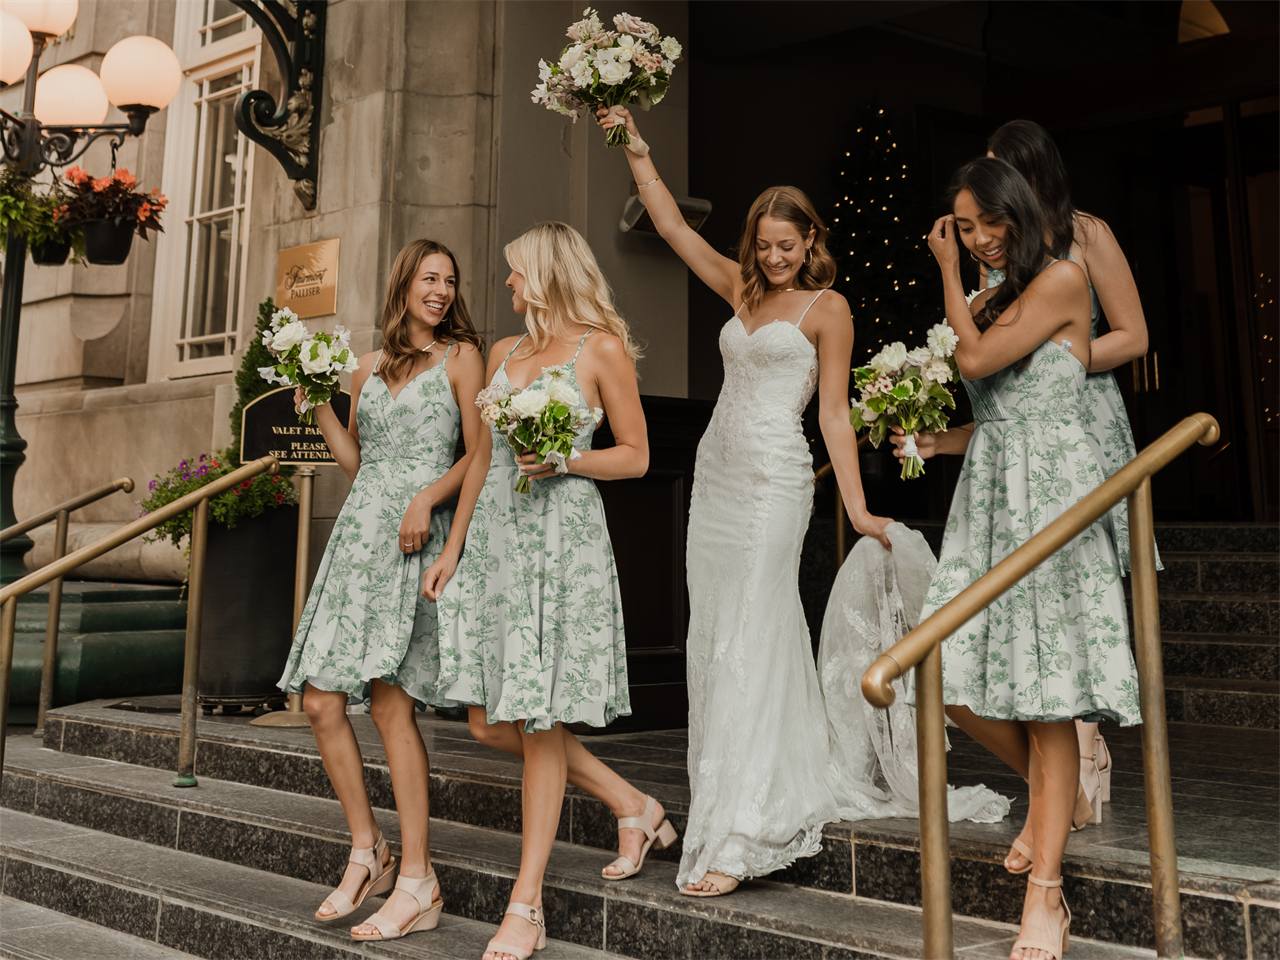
[544, 420]
[613, 68]
[303, 359]
[901, 388]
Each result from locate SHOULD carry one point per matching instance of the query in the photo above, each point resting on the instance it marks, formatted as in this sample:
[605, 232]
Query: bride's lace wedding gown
[763, 773]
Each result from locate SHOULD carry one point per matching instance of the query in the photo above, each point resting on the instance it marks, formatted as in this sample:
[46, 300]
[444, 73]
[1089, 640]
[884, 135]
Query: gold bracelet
[649, 184]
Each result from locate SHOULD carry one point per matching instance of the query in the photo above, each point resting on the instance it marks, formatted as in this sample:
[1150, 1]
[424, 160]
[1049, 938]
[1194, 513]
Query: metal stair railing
[921, 649]
[61, 513]
[198, 502]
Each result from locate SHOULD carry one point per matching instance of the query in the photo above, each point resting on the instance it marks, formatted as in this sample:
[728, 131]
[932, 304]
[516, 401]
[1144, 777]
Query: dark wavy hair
[1028, 147]
[1004, 197]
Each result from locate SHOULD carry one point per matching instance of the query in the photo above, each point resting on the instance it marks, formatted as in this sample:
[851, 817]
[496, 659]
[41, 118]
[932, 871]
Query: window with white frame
[202, 256]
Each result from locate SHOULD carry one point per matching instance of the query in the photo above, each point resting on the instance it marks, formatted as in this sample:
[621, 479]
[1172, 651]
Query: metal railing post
[295, 716]
[1155, 734]
[840, 537]
[8, 627]
[935, 830]
[191, 661]
[49, 672]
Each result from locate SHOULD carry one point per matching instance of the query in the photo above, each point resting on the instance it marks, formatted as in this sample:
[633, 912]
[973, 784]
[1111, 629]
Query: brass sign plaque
[269, 427]
[307, 279]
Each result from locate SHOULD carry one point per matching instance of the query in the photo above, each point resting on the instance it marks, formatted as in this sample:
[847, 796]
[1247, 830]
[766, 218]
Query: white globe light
[70, 96]
[15, 48]
[141, 70]
[52, 17]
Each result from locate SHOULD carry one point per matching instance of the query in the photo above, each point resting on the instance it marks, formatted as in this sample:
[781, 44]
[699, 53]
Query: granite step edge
[268, 902]
[31, 932]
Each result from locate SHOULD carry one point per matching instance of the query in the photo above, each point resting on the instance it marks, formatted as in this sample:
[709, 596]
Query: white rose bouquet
[544, 421]
[630, 64]
[905, 389]
[307, 360]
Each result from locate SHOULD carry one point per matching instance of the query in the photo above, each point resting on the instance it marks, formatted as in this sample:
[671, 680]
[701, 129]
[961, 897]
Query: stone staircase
[114, 639]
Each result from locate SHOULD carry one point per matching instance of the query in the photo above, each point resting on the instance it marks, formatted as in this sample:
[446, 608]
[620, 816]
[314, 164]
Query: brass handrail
[75, 503]
[920, 649]
[196, 501]
[61, 513]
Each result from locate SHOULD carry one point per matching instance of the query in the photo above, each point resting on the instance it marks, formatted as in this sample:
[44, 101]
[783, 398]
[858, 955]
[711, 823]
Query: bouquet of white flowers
[905, 389]
[613, 68]
[307, 360]
[544, 420]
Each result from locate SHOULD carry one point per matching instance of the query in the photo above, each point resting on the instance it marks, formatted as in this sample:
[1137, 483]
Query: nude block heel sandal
[379, 880]
[659, 839]
[423, 889]
[1062, 942]
[1023, 849]
[532, 915]
[1104, 773]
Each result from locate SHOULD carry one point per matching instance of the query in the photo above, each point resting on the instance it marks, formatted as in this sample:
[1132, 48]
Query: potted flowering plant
[247, 619]
[36, 215]
[110, 210]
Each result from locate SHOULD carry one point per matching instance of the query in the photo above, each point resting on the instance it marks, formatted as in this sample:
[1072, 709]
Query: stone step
[28, 932]
[203, 906]
[105, 617]
[1255, 614]
[1217, 573]
[274, 837]
[93, 591]
[1218, 538]
[1225, 702]
[473, 786]
[1221, 656]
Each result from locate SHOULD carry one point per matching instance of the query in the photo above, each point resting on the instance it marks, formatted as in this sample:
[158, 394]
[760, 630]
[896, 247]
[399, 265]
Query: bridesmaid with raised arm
[365, 633]
[760, 773]
[530, 614]
[1054, 648]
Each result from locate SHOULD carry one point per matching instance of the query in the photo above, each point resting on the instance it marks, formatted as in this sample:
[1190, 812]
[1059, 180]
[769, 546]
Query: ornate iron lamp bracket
[289, 133]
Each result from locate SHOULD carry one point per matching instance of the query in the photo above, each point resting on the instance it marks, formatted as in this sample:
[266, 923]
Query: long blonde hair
[790, 205]
[398, 352]
[563, 285]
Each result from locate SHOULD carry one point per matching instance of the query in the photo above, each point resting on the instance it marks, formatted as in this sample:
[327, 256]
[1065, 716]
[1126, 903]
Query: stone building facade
[425, 129]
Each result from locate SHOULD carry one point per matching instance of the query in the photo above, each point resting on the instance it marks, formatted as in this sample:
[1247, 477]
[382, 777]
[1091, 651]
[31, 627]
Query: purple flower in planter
[152, 486]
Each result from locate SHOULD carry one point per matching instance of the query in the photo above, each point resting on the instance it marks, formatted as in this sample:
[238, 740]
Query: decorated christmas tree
[878, 239]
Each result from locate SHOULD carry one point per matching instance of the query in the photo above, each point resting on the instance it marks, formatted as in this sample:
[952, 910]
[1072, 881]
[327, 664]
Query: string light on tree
[890, 281]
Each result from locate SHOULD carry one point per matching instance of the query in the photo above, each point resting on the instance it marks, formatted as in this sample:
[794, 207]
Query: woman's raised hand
[608, 123]
[944, 243]
[926, 443]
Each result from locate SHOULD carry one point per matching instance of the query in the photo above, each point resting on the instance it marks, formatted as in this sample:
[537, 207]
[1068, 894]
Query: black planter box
[106, 243]
[247, 621]
[50, 254]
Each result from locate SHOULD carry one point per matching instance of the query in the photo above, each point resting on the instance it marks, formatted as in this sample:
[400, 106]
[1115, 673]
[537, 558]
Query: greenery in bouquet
[116, 198]
[901, 388]
[37, 215]
[303, 359]
[631, 64]
[544, 420]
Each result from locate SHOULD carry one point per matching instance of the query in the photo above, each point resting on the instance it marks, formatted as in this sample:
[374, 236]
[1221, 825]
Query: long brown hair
[790, 205]
[398, 353]
[563, 285]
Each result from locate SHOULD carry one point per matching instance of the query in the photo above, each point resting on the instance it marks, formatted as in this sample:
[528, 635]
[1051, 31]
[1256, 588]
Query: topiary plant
[249, 383]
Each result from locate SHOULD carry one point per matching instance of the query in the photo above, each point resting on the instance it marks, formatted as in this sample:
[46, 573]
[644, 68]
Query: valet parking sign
[270, 427]
[307, 279]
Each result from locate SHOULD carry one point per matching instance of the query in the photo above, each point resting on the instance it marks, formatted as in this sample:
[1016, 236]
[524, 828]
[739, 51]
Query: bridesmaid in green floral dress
[365, 632]
[1055, 647]
[531, 632]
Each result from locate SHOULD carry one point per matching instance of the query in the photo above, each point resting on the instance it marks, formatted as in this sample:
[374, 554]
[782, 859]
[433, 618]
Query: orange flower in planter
[77, 175]
[125, 177]
[144, 211]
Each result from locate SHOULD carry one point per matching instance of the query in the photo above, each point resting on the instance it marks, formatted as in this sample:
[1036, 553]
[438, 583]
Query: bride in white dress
[764, 777]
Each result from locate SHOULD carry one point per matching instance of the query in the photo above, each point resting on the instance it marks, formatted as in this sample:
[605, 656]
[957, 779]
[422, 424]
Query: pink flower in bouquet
[626, 23]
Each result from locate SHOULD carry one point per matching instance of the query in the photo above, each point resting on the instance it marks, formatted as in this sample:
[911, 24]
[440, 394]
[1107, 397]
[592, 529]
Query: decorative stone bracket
[289, 133]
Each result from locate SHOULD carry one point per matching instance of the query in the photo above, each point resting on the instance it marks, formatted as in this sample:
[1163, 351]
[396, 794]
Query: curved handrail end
[877, 682]
[1212, 432]
[125, 484]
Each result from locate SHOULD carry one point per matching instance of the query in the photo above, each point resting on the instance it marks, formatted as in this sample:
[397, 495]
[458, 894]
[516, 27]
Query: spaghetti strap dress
[1106, 424]
[1056, 645]
[531, 621]
[365, 618]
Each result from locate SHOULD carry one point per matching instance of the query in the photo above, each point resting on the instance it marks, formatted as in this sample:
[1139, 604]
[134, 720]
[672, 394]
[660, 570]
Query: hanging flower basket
[51, 254]
[106, 242]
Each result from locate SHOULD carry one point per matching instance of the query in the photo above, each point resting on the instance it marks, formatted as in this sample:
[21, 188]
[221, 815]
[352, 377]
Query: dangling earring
[971, 257]
[808, 255]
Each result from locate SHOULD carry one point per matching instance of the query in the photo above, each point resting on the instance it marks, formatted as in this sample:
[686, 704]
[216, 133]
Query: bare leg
[1054, 782]
[545, 768]
[393, 714]
[1085, 732]
[1008, 740]
[586, 773]
[340, 753]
